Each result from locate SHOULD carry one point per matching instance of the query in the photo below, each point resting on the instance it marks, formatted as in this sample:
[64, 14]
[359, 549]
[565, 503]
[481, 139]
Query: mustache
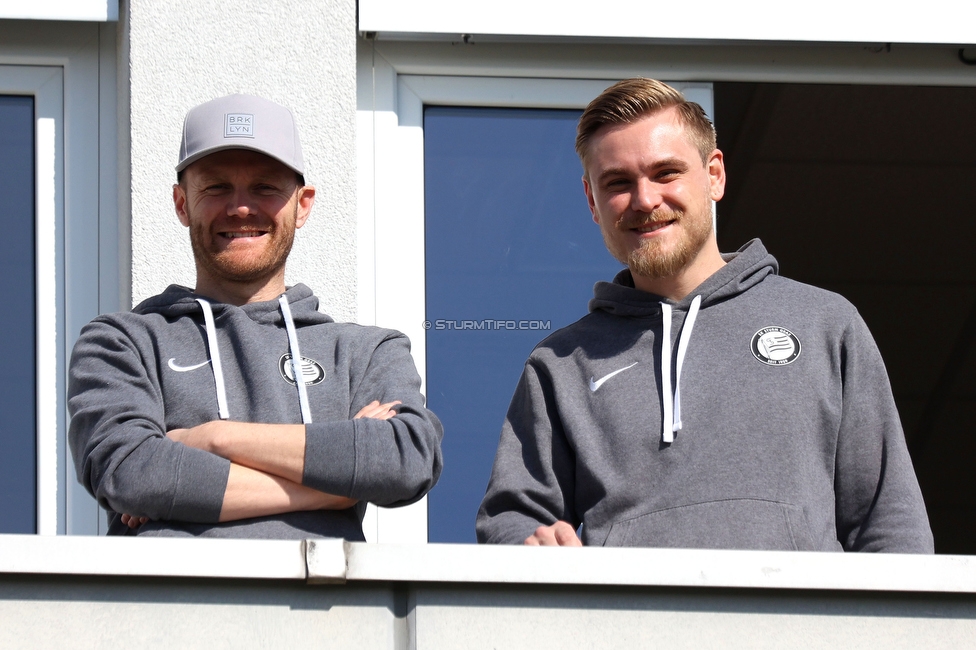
[641, 220]
[239, 225]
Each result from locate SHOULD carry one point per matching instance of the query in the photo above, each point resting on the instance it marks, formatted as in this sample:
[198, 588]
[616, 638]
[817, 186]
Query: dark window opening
[867, 191]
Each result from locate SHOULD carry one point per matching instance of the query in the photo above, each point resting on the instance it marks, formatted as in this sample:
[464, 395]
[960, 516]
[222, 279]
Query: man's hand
[377, 411]
[133, 522]
[200, 436]
[559, 534]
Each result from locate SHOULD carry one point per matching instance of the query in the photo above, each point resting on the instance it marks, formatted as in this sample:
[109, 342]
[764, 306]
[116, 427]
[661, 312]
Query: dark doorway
[868, 191]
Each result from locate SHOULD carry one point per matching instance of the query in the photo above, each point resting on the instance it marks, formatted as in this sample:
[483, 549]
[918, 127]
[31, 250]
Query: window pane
[18, 462]
[512, 254]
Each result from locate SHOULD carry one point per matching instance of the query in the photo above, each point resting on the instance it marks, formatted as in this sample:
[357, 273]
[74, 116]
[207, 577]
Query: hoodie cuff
[200, 487]
[330, 457]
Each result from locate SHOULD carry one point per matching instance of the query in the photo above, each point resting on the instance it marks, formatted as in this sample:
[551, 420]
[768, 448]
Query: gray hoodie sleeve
[878, 502]
[387, 462]
[532, 481]
[117, 435]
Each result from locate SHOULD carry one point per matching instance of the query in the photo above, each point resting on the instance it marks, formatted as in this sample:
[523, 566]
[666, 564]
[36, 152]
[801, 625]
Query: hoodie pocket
[728, 523]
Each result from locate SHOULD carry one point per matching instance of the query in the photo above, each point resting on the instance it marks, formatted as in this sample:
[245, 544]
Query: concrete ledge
[195, 593]
[336, 561]
[654, 567]
[157, 556]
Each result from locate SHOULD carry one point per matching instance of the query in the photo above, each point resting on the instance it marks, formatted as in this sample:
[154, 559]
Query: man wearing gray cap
[236, 408]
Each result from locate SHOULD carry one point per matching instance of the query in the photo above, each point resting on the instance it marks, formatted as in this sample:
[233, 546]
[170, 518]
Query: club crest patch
[312, 372]
[775, 346]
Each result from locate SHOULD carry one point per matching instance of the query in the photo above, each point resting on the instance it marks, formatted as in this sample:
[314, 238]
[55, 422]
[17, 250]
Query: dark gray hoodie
[783, 434]
[136, 375]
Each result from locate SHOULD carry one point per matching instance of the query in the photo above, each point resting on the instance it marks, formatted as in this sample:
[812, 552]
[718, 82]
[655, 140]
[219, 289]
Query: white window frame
[44, 85]
[396, 79]
[69, 69]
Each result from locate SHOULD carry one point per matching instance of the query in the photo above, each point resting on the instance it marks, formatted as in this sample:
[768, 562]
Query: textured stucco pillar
[301, 53]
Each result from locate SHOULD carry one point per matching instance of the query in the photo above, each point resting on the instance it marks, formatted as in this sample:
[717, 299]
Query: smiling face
[242, 209]
[651, 195]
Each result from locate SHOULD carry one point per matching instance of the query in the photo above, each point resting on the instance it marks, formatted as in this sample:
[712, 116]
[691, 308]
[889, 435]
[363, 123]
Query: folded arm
[123, 457]
[277, 449]
[126, 460]
[389, 462]
[267, 464]
[252, 493]
[117, 436]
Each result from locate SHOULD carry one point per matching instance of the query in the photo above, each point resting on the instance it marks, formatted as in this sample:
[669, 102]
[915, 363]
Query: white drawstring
[671, 411]
[296, 360]
[667, 419]
[682, 349]
[218, 371]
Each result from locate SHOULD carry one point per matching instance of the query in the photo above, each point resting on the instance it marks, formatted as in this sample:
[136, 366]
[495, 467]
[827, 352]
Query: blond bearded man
[705, 401]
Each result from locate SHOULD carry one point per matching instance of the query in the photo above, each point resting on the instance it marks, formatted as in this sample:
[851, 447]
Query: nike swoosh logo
[186, 368]
[595, 384]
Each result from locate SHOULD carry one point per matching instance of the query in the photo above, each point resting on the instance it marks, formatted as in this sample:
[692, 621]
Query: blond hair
[629, 100]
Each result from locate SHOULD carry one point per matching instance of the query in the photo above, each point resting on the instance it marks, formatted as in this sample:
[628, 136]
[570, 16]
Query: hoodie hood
[298, 306]
[743, 269]
[180, 301]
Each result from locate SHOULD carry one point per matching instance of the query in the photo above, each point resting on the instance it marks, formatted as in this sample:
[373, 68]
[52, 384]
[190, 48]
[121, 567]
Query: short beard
[650, 261]
[232, 268]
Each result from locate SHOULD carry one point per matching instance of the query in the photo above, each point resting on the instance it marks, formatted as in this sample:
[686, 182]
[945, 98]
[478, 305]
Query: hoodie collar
[179, 301]
[296, 307]
[743, 269]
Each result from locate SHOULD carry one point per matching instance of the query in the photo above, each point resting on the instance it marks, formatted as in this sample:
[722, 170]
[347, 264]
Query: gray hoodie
[136, 375]
[772, 427]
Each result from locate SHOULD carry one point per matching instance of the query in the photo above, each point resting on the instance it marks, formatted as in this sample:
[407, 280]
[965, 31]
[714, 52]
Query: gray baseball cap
[241, 122]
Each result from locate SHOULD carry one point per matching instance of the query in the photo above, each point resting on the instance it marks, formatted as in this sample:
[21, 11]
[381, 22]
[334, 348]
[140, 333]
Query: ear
[306, 199]
[589, 199]
[179, 202]
[716, 175]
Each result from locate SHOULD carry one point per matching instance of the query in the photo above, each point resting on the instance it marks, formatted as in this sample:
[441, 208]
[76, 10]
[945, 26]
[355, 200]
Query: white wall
[297, 52]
